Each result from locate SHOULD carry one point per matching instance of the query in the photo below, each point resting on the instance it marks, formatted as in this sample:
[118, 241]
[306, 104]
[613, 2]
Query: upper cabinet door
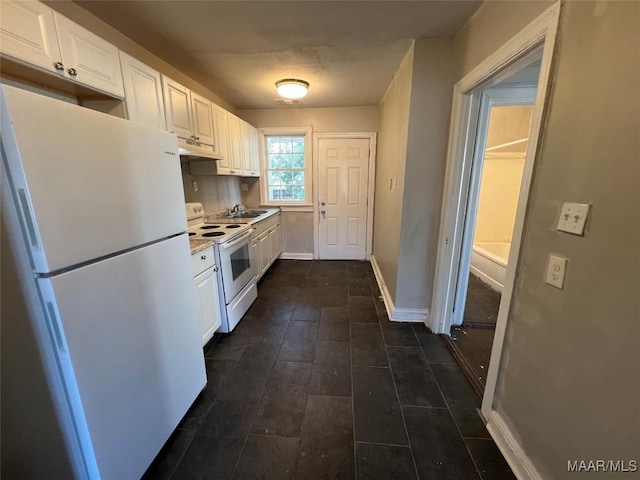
[28, 33]
[255, 149]
[221, 146]
[202, 120]
[247, 149]
[177, 108]
[143, 92]
[235, 140]
[88, 58]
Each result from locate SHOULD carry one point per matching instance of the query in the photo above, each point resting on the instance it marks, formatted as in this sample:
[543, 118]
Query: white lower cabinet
[206, 283]
[266, 245]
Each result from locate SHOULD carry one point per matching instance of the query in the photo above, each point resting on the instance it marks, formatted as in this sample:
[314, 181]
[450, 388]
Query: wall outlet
[556, 270]
[573, 218]
[195, 186]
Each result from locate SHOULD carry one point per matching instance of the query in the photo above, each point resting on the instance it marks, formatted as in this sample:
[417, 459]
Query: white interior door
[343, 165]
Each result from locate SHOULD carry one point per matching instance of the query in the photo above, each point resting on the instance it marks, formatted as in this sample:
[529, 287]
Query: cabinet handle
[203, 257]
[58, 66]
[73, 72]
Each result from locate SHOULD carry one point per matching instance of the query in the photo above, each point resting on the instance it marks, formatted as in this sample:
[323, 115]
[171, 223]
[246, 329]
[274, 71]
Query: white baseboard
[296, 256]
[486, 279]
[511, 449]
[396, 314]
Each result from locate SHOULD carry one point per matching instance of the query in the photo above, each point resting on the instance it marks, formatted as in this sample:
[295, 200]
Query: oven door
[235, 263]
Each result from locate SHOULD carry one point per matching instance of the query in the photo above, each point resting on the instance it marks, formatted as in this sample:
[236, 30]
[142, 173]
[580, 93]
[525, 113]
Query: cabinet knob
[58, 66]
[322, 203]
[215, 269]
[203, 257]
[197, 138]
[322, 212]
[72, 71]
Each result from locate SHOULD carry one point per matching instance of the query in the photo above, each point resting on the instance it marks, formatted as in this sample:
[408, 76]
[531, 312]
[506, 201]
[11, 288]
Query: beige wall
[90, 22]
[499, 190]
[570, 380]
[494, 23]
[393, 121]
[429, 114]
[297, 227]
[215, 192]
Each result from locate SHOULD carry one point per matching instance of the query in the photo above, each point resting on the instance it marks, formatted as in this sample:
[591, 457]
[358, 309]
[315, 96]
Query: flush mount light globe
[292, 88]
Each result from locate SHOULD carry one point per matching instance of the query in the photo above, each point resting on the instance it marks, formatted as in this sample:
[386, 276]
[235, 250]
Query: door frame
[371, 136]
[517, 95]
[539, 34]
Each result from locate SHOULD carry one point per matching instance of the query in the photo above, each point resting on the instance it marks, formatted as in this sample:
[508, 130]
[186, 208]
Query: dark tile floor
[316, 383]
[472, 341]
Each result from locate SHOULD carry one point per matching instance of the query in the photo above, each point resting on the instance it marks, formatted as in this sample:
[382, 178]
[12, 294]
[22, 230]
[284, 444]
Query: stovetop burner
[213, 234]
[233, 226]
[209, 227]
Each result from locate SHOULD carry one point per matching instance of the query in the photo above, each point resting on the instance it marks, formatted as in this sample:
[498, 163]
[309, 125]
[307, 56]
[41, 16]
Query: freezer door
[87, 184]
[128, 329]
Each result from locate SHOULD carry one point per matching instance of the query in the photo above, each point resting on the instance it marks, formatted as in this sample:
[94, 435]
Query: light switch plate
[573, 218]
[556, 270]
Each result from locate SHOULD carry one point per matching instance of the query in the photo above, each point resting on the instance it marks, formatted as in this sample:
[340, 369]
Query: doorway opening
[499, 152]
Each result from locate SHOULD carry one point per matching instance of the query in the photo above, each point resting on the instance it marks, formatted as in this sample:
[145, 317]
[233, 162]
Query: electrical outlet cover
[556, 270]
[573, 218]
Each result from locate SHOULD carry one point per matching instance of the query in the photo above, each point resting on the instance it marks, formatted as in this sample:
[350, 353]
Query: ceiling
[347, 50]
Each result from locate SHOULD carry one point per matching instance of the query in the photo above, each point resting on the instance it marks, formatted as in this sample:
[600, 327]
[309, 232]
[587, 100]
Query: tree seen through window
[286, 168]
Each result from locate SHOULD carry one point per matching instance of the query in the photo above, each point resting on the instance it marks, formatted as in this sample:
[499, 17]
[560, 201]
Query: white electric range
[232, 249]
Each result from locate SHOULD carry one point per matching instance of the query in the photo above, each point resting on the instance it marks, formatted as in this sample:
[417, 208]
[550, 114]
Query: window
[286, 157]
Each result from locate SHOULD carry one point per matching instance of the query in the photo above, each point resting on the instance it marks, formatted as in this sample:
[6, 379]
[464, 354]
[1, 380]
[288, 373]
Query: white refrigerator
[94, 211]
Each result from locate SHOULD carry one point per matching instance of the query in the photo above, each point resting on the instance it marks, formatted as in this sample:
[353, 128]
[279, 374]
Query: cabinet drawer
[202, 260]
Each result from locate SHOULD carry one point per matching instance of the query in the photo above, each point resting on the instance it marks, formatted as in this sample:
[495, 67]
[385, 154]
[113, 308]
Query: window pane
[285, 145]
[298, 193]
[273, 145]
[275, 160]
[298, 160]
[275, 177]
[298, 145]
[287, 177]
[286, 161]
[298, 177]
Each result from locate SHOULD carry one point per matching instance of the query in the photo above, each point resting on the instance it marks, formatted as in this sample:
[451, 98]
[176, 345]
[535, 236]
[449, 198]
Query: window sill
[300, 207]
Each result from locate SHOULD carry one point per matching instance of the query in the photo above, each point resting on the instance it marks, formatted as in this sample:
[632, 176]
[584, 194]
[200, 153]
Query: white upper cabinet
[143, 92]
[247, 151]
[221, 122]
[87, 58]
[189, 116]
[202, 119]
[236, 144]
[28, 33]
[35, 34]
[177, 108]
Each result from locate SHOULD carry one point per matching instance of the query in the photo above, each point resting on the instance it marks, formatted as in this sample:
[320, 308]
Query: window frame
[308, 165]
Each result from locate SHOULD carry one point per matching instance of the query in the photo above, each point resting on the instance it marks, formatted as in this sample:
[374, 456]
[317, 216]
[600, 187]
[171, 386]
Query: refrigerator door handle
[54, 326]
[28, 219]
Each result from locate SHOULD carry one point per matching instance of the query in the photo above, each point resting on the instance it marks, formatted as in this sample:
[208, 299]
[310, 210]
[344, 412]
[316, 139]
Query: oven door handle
[241, 239]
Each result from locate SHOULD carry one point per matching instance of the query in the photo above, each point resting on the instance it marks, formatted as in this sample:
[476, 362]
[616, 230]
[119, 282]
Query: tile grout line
[404, 422]
[446, 402]
[353, 395]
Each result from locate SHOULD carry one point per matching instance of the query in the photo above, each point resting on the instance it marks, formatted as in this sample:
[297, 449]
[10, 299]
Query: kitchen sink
[259, 212]
[245, 215]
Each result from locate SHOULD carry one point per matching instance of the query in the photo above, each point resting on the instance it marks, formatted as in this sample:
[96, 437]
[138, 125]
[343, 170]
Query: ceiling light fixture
[292, 88]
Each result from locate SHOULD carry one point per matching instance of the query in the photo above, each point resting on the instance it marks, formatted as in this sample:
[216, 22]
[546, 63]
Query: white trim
[296, 256]
[296, 208]
[396, 314]
[308, 156]
[520, 463]
[503, 62]
[372, 137]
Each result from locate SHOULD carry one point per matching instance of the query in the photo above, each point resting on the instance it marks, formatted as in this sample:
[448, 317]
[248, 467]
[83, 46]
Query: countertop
[199, 244]
[249, 221]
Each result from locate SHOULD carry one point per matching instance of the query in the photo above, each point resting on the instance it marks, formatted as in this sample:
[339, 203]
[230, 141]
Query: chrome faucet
[236, 208]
